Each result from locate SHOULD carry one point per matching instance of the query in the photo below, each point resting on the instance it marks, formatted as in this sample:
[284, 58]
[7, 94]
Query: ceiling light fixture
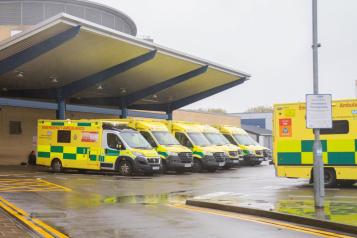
[100, 87]
[19, 74]
[123, 91]
[53, 79]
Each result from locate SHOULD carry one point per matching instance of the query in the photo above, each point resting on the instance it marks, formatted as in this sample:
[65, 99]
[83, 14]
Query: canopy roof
[68, 58]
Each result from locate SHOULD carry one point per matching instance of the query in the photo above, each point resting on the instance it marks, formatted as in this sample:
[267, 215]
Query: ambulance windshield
[216, 138]
[244, 139]
[165, 138]
[199, 139]
[135, 140]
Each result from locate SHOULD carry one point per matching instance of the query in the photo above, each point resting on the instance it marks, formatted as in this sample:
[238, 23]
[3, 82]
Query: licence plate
[261, 159]
[187, 165]
[235, 161]
[221, 164]
[156, 168]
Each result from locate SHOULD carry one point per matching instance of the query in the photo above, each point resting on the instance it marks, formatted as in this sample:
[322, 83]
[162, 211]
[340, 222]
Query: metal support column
[169, 115]
[124, 113]
[319, 184]
[61, 109]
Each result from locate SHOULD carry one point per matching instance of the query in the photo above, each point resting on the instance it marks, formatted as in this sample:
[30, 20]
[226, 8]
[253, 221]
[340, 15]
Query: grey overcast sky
[270, 39]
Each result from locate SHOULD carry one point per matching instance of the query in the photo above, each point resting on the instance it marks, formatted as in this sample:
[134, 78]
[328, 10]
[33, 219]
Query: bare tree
[260, 109]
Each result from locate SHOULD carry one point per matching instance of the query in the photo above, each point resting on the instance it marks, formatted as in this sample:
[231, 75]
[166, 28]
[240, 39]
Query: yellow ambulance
[206, 156]
[293, 143]
[94, 145]
[216, 138]
[174, 156]
[253, 154]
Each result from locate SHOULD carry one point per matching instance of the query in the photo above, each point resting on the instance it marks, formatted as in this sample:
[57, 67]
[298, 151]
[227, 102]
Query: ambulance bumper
[209, 162]
[251, 158]
[141, 166]
[176, 163]
[231, 162]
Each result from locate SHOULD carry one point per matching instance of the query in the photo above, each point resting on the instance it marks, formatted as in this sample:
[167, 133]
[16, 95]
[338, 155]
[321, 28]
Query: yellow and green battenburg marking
[67, 152]
[64, 152]
[300, 152]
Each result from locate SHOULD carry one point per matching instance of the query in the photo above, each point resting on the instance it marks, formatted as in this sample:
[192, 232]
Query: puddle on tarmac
[96, 200]
[162, 198]
[336, 211]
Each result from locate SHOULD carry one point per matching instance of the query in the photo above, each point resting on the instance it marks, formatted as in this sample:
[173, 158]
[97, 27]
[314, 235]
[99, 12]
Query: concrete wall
[207, 118]
[14, 149]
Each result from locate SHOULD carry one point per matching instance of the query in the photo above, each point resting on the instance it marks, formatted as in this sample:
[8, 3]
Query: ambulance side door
[111, 144]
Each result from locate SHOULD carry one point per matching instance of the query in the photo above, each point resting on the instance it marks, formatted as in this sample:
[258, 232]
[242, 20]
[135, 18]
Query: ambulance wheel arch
[329, 177]
[124, 165]
[56, 165]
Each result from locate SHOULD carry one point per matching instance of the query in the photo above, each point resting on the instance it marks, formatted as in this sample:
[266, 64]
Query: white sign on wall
[318, 111]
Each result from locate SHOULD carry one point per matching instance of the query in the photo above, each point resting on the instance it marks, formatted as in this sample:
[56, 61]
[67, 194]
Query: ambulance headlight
[226, 154]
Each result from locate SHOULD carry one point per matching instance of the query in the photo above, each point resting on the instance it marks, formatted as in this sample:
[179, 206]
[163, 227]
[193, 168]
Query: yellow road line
[266, 221]
[35, 224]
[56, 185]
[30, 185]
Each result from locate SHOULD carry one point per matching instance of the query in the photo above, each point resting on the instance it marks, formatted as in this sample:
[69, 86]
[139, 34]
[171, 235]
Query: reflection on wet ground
[340, 203]
[112, 206]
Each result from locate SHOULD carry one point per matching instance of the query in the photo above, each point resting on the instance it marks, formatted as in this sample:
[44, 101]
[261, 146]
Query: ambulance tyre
[330, 178]
[125, 168]
[197, 166]
[163, 167]
[56, 166]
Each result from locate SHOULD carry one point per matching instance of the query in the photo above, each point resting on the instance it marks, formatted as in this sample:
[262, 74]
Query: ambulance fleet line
[142, 146]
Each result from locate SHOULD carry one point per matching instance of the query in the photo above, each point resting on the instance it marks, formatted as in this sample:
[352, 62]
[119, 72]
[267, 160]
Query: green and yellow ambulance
[94, 145]
[206, 156]
[216, 138]
[252, 154]
[293, 143]
[174, 156]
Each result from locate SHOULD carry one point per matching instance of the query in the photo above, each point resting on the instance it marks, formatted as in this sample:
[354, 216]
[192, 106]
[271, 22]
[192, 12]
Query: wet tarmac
[97, 205]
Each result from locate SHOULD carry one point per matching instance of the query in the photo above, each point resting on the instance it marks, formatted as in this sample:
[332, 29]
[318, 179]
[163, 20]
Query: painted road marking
[29, 185]
[35, 224]
[265, 221]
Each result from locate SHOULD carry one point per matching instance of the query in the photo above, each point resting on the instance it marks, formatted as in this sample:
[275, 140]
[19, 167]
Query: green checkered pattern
[335, 152]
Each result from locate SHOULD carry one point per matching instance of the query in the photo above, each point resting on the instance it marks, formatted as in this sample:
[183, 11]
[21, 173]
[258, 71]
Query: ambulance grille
[219, 156]
[153, 160]
[185, 157]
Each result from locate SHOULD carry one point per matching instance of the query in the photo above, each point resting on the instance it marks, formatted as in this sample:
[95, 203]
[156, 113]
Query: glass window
[216, 138]
[114, 142]
[230, 139]
[199, 139]
[135, 140]
[338, 127]
[244, 139]
[182, 138]
[15, 128]
[64, 136]
[149, 138]
[165, 138]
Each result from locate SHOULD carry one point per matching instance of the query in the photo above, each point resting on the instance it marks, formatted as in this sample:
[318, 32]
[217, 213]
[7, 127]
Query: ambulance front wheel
[125, 168]
[56, 166]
